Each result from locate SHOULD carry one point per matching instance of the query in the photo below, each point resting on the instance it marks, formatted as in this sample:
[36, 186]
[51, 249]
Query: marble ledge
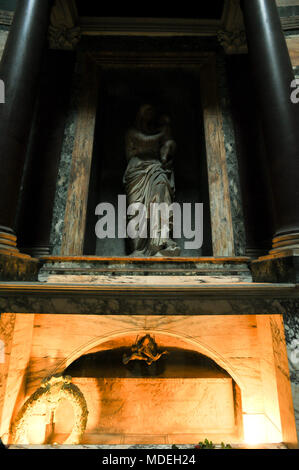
[149, 299]
[161, 446]
[196, 284]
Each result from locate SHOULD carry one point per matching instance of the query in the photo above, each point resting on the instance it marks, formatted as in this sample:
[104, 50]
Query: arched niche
[184, 397]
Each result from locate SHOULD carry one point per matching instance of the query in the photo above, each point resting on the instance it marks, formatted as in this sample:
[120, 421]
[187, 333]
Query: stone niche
[173, 91]
[112, 87]
[225, 378]
[180, 398]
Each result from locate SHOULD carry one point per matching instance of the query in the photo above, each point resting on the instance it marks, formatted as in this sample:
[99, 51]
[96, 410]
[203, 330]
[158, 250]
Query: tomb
[148, 340]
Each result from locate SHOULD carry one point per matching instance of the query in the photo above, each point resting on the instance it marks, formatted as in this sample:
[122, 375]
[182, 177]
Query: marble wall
[16, 333]
[291, 328]
[7, 324]
[231, 159]
[3, 36]
[172, 408]
[64, 171]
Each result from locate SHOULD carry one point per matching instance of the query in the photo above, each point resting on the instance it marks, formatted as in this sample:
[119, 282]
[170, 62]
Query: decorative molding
[6, 17]
[158, 26]
[64, 32]
[149, 26]
[287, 3]
[293, 47]
[289, 22]
[155, 59]
[66, 27]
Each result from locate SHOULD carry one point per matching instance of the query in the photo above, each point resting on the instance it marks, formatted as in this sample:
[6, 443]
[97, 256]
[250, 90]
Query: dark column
[35, 211]
[19, 69]
[273, 74]
[257, 207]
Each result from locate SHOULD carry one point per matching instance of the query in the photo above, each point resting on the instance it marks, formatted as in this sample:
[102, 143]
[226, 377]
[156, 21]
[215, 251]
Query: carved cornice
[66, 27]
[155, 26]
[290, 23]
[149, 26]
[6, 17]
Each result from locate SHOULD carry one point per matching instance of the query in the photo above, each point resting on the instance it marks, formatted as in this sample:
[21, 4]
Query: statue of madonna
[149, 179]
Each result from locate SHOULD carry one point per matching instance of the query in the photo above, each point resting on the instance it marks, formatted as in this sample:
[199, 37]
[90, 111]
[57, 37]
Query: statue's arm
[168, 150]
[168, 146]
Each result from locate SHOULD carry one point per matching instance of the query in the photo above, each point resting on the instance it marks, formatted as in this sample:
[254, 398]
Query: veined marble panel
[3, 38]
[146, 299]
[64, 170]
[7, 324]
[231, 160]
[291, 328]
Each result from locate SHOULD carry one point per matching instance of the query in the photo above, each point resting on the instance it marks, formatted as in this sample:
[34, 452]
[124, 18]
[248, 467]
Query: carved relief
[48, 396]
[144, 349]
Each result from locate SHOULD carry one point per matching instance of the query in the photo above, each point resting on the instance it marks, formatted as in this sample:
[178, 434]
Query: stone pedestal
[93, 269]
[279, 268]
[18, 267]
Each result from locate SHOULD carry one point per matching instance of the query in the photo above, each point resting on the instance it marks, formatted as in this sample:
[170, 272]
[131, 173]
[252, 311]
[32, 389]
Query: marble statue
[149, 178]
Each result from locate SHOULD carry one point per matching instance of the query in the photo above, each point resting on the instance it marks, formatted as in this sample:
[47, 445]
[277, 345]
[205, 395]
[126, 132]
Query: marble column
[19, 69]
[273, 74]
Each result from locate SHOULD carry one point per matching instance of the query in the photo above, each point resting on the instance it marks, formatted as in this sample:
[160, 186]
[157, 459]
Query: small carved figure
[144, 349]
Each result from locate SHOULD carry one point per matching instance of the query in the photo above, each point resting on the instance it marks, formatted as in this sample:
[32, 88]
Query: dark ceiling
[211, 9]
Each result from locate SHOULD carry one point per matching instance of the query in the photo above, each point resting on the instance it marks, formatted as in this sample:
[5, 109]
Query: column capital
[64, 31]
[233, 42]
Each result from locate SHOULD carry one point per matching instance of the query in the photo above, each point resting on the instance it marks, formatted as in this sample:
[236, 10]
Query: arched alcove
[165, 336]
[183, 397]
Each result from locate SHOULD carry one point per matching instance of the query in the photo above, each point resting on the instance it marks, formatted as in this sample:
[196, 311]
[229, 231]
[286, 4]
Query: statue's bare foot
[170, 249]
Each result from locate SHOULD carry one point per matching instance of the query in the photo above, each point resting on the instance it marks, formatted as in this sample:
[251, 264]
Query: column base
[286, 245]
[255, 253]
[8, 241]
[277, 267]
[18, 267]
[37, 251]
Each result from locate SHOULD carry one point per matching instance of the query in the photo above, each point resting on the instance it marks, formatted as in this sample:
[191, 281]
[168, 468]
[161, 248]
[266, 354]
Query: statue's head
[146, 119]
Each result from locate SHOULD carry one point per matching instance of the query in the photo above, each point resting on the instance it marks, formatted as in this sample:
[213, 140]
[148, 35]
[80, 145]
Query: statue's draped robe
[146, 182]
